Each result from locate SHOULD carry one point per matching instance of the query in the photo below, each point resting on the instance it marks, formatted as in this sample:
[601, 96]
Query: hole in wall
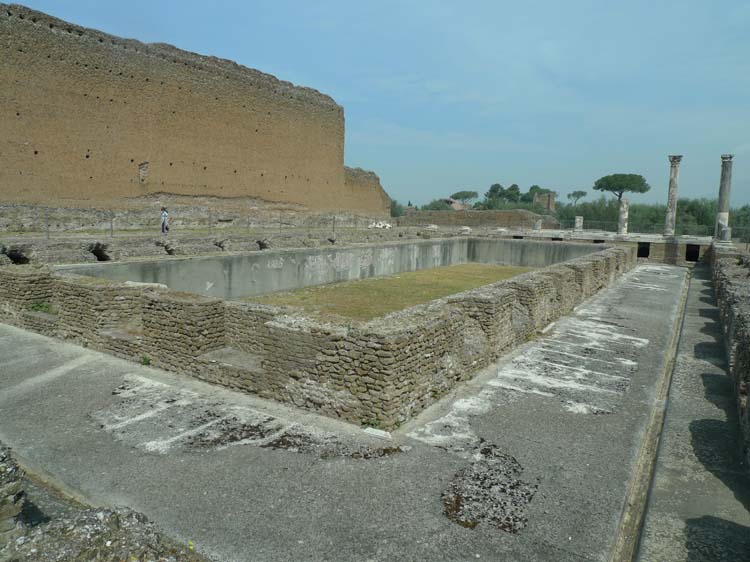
[518, 237]
[598, 241]
[16, 256]
[557, 239]
[692, 252]
[100, 251]
[644, 249]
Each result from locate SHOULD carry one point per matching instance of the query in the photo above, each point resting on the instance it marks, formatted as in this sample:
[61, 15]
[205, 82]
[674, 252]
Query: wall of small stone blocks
[23, 288]
[506, 218]
[381, 372]
[143, 214]
[180, 327]
[731, 279]
[39, 250]
[388, 370]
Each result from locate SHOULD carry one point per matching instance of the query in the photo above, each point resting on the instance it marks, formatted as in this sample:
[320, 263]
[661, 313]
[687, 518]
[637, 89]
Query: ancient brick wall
[89, 118]
[363, 190]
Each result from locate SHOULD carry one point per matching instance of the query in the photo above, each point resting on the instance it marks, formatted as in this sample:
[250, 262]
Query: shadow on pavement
[712, 539]
[717, 444]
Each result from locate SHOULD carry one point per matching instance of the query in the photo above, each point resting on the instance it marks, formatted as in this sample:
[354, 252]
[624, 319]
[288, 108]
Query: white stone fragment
[379, 433]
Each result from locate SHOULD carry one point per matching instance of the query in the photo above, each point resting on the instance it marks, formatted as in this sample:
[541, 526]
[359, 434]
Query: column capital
[727, 157]
[675, 159]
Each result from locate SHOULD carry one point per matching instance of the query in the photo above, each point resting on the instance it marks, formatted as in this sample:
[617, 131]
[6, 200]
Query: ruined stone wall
[363, 190]
[381, 372]
[669, 251]
[92, 119]
[39, 250]
[520, 218]
[731, 278]
[185, 213]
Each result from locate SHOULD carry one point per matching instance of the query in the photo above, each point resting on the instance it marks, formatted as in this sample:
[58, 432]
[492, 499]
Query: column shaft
[622, 222]
[674, 173]
[725, 188]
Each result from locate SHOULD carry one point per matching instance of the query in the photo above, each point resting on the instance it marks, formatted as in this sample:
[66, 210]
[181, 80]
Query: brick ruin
[92, 120]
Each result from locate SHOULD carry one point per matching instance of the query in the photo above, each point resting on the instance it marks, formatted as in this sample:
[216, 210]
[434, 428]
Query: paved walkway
[531, 459]
[698, 507]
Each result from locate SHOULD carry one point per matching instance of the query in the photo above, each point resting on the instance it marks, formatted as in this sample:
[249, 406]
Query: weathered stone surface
[731, 278]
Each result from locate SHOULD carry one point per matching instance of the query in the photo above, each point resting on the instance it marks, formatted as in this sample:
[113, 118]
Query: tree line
[694, 216]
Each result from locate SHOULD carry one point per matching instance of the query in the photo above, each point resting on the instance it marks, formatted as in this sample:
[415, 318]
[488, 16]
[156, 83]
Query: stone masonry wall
[180, 327]
[731, 278]
[520, 218]
[38, 250]
[381, 372]
[91, 119]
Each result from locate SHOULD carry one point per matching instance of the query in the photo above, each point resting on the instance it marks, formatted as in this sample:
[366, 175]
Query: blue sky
[442, 96]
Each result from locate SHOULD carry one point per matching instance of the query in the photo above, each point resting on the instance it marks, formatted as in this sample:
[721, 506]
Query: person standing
[164, 220]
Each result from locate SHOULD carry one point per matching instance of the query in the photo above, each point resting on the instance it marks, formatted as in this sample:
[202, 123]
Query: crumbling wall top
[229, 69]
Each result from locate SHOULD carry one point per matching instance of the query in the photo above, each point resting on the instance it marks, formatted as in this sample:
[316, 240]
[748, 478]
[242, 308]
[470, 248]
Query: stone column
[622, 221]
[725, 188]
[674, 172]
[579, 224]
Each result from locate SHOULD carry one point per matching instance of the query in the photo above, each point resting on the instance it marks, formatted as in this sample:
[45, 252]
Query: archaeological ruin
[92, 120]
[173, 397]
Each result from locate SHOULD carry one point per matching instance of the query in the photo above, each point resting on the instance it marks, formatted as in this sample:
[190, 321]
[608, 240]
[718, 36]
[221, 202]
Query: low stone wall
[380, 373]
[39, 250]
[200, 213]
[23, 289]
[507, 218]
[731, 278]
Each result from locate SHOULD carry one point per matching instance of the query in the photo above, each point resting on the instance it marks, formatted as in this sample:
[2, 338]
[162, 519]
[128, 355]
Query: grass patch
[42, 306]
[371, 298]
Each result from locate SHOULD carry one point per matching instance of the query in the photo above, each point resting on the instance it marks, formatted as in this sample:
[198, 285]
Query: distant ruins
[89, 119]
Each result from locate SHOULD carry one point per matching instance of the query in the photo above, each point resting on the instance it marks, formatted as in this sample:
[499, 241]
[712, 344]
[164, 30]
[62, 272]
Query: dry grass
[371, 298]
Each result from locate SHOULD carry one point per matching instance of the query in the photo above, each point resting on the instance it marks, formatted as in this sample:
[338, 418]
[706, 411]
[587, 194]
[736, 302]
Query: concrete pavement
[700, 498]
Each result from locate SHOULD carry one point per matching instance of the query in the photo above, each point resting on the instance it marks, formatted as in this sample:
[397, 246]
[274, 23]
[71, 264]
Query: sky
[443, 96]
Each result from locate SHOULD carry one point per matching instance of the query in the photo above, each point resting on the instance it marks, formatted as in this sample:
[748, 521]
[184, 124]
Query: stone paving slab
[539, 449]
[699, 504]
